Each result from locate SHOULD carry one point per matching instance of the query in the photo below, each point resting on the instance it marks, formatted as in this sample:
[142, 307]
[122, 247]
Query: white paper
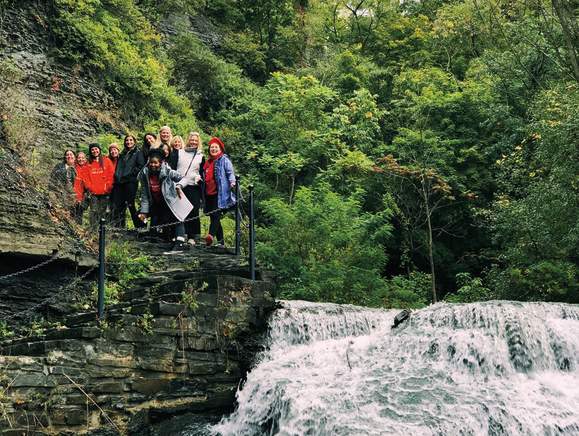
[181, 207]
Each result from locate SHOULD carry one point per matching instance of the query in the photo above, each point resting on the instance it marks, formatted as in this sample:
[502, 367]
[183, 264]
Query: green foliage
[10, 71]
[357, 123]
[114, 39]
[537, 213]
[407, 292]
[211, 83]
[124, 265]
[323, 248]
[5, 331]
[544, 280]
[38, 326]
[145, 322]
[470, 290]
[189, 299]
[243, 50]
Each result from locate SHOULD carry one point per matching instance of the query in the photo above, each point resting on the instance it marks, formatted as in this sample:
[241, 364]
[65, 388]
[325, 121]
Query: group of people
[167, 169]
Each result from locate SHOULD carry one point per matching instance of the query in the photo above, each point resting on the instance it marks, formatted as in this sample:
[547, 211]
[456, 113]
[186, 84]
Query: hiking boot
[178, 247]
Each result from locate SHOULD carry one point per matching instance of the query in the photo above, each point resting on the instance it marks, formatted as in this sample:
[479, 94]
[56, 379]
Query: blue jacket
[224, 176]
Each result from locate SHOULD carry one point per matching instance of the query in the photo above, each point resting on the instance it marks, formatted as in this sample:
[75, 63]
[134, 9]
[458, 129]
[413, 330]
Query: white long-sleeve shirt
[189, 166]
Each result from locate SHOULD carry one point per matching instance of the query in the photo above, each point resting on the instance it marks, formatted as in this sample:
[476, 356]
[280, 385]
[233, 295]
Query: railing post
[251, 233]
[237, 217]
[101, 288]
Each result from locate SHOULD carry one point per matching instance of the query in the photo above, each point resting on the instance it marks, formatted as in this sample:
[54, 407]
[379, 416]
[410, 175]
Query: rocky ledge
[179, 341]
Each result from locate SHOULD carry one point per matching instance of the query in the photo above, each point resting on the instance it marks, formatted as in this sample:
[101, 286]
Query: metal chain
[54, 297]
[32, 268]
[160, 226]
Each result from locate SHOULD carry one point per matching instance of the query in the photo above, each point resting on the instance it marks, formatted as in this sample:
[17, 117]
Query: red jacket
[96, 179]
[78, 186]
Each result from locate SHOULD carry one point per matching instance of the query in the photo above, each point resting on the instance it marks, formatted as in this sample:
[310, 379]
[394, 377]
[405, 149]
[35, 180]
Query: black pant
[78, 211]
[215, 228]
[193, 228]
[98, 209]
[123, 196]
[161, 214]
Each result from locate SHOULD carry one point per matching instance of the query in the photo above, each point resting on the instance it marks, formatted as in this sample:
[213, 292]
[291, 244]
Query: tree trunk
[569, 34]
[292, 188]
[430, 242]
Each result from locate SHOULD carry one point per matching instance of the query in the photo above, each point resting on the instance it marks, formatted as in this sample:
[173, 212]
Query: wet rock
[401, 317]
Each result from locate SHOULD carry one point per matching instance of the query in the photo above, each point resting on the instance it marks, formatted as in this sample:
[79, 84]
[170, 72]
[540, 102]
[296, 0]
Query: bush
[324, 250]
[124, 265]
[470, 290]
[548, 280]
[407, 292]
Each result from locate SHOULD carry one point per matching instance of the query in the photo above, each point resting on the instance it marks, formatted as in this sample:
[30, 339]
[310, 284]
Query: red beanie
[218, 141]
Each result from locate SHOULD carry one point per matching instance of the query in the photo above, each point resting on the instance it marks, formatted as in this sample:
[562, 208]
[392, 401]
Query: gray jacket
[167, 177]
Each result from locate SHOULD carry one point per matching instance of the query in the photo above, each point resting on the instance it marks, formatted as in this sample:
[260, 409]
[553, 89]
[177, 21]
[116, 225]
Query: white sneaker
[191, 242]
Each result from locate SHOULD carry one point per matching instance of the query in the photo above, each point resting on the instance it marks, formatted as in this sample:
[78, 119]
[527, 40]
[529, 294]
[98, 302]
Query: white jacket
[189, 166]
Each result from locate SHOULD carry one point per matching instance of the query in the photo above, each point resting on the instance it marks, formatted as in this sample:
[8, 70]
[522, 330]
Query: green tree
[326, 249]
[117, 42]
[536, 213]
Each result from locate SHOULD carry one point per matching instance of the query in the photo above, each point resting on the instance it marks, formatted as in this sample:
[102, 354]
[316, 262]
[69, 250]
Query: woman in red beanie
[219, 184]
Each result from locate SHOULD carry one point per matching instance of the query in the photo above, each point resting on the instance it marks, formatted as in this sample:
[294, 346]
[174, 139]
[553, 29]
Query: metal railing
[238, 234]
[102, 251]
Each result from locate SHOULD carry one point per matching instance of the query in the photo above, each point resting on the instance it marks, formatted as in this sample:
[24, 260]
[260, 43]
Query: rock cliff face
[45, 108]
[62, 105]
[29, 226]
[180, 341]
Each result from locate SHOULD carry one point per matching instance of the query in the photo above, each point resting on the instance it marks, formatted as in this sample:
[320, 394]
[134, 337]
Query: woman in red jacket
[96, 179]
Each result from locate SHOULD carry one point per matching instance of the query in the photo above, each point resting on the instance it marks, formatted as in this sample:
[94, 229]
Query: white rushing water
[496, 368]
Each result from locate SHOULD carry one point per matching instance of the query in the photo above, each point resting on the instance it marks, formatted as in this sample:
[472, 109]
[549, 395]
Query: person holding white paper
[161, 199]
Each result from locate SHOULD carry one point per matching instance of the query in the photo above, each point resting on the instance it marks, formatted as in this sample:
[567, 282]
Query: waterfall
[496, 368]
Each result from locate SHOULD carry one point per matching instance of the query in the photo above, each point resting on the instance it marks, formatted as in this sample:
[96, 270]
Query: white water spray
[496, 368]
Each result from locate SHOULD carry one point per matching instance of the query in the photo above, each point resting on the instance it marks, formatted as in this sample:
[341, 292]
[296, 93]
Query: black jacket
[129, 165]
[173, 159]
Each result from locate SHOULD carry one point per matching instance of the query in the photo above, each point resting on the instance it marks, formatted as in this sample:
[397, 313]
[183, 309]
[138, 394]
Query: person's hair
[174, 139]
[91, 157]
[129, 136]
[162, 148]
[170, 134]
[66, 151]
[146, 145]
[157, 153]
[200, 146]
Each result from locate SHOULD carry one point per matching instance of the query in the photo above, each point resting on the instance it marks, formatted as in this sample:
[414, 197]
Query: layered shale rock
[180, 341]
